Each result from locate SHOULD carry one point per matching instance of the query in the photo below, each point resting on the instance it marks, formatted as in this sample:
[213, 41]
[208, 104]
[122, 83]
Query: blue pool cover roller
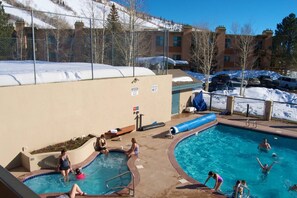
[192, 124]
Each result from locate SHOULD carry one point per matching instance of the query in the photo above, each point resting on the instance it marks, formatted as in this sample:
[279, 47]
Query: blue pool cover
[192, 124]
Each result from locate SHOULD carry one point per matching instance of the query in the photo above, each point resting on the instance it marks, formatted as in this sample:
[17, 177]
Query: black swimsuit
[64, 164]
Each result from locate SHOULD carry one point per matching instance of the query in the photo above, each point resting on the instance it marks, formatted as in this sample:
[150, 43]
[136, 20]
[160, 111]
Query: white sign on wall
[154, 88]
[134, 91]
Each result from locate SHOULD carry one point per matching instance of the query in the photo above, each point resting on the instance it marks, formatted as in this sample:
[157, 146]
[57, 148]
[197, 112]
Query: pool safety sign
[154, 88]
[134, 91]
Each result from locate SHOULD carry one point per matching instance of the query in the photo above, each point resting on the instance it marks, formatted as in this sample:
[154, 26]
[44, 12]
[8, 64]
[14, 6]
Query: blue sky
[261, 14]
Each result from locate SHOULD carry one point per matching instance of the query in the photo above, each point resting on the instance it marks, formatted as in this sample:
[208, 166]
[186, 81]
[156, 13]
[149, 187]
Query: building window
[227, 59]
[228, 43]
[160, 41]
[176, 57]
[177, 41]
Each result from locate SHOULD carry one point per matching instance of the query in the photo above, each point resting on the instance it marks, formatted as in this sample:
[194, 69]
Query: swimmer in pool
[265, 146]
[265, 167]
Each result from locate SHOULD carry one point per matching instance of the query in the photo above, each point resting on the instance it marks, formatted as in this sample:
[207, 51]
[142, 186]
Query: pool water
[231, 152]
[102, 168]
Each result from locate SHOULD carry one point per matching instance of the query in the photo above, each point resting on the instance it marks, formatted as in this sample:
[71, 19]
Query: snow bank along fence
[192, 124]
[266, 109]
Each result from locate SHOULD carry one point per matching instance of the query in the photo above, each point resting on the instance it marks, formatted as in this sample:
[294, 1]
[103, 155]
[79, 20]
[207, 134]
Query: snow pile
[182, 79]
[22, 72]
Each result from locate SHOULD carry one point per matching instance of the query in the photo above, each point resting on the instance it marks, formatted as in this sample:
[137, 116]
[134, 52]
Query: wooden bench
[124, 130]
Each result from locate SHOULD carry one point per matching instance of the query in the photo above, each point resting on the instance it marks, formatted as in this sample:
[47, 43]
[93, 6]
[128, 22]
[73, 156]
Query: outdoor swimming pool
[102, 168]
[232, 152]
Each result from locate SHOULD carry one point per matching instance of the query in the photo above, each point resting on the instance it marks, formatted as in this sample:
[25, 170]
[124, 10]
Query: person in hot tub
[78, 174]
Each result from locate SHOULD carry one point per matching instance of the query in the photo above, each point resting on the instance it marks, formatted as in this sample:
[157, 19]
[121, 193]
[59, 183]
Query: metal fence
[57, 37]
[249, 106]
[252, 106]
[282, 110]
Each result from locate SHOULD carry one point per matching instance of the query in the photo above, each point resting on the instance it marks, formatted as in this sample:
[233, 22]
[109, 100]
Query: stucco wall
[184, 99]
[35, 116]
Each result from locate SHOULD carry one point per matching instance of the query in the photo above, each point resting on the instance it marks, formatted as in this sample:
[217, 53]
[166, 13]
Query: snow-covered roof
[22, 72]
[153, 60]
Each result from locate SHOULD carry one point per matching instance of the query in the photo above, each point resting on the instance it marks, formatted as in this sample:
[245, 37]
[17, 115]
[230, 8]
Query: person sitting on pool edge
[265, 146]
[134, 150]
[79, 175]
[75, 190]
[64, 165]
[265, 168]
[217, 177]
[102, 144]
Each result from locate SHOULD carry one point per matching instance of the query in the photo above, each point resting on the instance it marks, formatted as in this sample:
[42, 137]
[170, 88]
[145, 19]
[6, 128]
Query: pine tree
[6, 29]
[114, 37]
[113, 24]
[285, 43]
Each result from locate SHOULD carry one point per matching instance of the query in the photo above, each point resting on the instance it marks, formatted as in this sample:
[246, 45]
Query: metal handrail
[118, 187]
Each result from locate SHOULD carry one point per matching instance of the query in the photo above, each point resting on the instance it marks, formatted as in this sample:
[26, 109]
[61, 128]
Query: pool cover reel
[192, 124]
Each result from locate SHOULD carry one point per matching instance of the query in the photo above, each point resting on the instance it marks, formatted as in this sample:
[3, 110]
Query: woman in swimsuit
[134, 150]
[75, 190]
[64, 165]
[102, 143]
[217, 177]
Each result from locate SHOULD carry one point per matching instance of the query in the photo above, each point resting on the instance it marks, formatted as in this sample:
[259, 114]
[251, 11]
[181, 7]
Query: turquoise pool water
[97, 172]
[232, 152]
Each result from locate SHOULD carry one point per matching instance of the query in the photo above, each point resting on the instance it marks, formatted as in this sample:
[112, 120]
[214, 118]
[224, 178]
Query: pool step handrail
[245, 187]
[122, 187]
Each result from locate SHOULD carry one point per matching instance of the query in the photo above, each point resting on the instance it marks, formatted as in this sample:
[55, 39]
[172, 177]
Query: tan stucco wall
[185, 98]
[35, 116]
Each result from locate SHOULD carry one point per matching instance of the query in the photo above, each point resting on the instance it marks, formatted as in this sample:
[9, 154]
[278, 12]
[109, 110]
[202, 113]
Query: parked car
[267, 81]
[217, 86]
[221, 78]
[287, 82]
[238, 79]
[253, 82]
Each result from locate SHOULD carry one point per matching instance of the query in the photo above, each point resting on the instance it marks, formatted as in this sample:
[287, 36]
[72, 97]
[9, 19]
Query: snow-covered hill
[77, 10]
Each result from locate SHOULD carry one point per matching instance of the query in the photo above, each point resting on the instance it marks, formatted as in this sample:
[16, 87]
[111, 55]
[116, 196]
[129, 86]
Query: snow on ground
[284, 105]
[81, 10]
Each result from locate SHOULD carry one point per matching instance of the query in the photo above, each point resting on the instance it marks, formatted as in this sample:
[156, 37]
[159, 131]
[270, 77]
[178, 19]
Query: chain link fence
[54, 37]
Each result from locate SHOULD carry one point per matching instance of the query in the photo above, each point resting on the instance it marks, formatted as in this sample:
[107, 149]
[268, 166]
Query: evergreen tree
[114, 38]
[113, 24]
[285, 44]
[6, 31]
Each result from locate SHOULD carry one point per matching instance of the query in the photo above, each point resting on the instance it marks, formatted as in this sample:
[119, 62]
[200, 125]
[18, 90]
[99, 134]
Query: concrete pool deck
[158, 178]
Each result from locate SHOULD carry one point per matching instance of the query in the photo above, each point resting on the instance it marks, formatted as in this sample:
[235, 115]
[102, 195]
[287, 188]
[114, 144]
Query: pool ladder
[248, 123]
[244, 188]
[131, 190]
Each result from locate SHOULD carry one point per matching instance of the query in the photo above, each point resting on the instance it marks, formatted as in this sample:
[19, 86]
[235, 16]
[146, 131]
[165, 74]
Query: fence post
[230, 104]
[33, 46]
[268, 110]
[247, 110]
[210, 100]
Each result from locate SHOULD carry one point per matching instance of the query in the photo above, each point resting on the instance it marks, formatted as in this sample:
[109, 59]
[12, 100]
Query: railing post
[210, 101]
[268, 110]
[247, 110]
[230, 104]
